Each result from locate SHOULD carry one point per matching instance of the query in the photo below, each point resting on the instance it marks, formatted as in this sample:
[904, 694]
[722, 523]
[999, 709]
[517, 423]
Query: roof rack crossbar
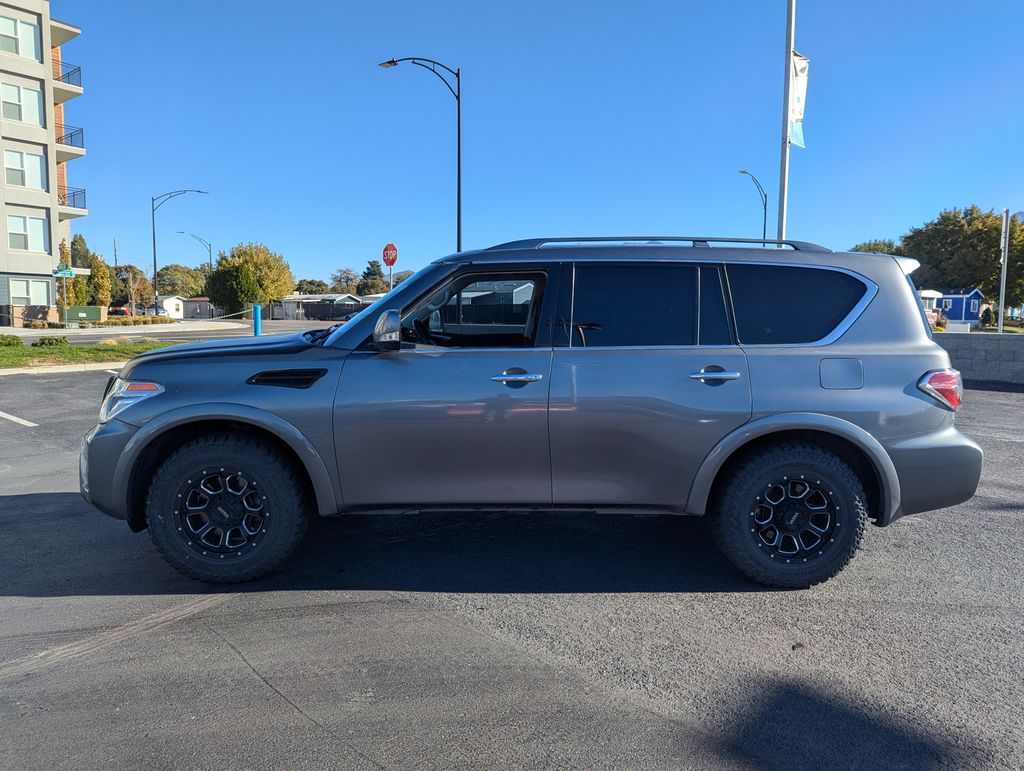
[697, 241]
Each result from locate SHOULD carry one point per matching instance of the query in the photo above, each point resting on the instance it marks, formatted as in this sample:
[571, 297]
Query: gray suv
[789, 394]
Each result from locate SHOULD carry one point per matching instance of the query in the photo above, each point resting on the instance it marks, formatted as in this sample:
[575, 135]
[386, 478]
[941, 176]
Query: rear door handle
[716, 375]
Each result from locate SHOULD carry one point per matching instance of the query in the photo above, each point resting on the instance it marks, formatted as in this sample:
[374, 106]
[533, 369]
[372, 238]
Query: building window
[974, 306]
[19, 37]
[25, 169]
[22, 104]
[947, 304]
[28, 292]
[28, 233]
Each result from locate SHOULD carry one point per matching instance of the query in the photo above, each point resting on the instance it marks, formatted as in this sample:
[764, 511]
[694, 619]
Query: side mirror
[387, 332]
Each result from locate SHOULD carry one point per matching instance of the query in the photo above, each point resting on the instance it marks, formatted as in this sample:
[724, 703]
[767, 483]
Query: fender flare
[327, 498]
[700, 489]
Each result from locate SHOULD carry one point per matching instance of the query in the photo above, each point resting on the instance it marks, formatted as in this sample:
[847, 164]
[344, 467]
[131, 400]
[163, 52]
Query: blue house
[962, 305]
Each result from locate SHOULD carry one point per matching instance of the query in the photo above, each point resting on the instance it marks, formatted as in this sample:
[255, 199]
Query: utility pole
[784, 160]
[1004, 258]
[115, 254]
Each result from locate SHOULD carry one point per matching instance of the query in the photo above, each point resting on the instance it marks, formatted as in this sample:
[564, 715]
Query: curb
[56, 368]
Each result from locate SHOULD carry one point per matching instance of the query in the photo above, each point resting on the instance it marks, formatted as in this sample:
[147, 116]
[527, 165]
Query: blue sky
[579, 118]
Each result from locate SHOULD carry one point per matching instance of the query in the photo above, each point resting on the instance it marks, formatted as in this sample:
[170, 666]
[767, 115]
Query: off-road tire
[733, 526]
[279, 487]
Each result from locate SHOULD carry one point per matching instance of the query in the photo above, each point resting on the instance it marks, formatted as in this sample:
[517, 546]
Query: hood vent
[287, 378]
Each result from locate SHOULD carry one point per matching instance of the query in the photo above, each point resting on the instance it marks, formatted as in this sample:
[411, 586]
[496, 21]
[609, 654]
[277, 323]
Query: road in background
[450, 639]
[212, 330]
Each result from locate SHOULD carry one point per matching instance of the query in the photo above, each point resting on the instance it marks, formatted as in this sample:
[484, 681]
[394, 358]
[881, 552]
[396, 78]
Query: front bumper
[101, 449]
[935, 471]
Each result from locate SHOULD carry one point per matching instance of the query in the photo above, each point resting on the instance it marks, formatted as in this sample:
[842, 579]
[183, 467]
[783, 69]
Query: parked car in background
[117, 311]
[790, 396]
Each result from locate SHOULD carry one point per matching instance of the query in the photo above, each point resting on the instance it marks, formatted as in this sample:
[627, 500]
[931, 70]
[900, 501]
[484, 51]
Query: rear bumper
[100, 451]
[935, 471]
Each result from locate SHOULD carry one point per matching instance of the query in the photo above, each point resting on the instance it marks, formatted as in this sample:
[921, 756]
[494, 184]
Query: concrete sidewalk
[60, 368]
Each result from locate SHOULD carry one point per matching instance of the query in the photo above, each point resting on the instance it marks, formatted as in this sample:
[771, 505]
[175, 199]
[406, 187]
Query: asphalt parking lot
[504, 640]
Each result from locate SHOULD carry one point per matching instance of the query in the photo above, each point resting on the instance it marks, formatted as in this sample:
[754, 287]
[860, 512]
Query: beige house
[36, 144]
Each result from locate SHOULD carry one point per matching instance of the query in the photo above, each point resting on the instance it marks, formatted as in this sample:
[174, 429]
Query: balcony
[61, 32]
[70, 203]
[70, 142]
[67, 81]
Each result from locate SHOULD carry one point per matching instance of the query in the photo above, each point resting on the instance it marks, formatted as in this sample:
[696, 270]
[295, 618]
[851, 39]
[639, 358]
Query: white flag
[797, 98]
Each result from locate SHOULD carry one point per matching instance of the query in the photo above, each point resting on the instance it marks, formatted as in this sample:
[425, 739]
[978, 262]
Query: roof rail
[698, 241]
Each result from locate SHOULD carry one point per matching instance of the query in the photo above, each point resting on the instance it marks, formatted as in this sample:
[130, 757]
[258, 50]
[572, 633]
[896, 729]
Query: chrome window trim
[871, 290]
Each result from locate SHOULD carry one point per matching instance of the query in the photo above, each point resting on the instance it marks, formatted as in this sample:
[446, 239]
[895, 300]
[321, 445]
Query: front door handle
[517, 377]
[713, 375]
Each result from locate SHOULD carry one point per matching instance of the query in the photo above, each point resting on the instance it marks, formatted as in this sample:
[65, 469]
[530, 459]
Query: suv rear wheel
[226, 508]
[791, 516]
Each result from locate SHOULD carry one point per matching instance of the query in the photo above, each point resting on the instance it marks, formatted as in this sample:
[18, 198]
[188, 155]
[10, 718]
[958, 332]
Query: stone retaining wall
[984, 356]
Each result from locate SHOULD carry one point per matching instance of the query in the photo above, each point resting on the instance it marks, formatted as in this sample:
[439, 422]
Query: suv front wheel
[791, 516]
[226, 508]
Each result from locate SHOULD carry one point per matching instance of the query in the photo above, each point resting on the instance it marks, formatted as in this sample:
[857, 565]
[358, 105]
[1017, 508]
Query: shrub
[35, 325]
[109, 341]
[84, 325]
[54, 325]
[10, 341]
[50, 342]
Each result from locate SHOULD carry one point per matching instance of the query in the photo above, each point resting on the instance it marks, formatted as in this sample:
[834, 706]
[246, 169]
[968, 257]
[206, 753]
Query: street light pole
[430, 64]
[204, 242]
[156, 202]
[764, 205]
[784, 159]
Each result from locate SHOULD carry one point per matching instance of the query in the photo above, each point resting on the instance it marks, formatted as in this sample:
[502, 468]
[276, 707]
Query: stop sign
[390, 255]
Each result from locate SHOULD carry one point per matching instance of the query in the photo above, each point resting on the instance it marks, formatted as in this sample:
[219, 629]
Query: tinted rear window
[777, 305]
[635, 305]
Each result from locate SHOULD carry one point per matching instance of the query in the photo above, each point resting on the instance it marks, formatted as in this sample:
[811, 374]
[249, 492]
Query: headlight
[122, 394]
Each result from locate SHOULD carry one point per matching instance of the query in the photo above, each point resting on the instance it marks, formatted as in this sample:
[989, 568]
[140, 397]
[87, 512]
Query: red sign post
[390, 258]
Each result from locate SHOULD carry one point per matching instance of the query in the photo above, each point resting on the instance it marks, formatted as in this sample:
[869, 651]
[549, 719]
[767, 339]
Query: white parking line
[22, 421]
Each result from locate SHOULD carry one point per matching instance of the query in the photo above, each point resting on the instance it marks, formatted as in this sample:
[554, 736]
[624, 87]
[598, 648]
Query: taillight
[945, 386]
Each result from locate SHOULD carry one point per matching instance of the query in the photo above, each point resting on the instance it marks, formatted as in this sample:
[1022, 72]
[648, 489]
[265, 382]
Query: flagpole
[787, 80]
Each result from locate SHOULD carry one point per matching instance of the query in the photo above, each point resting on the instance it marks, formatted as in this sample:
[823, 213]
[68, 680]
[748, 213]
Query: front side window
[947, 304]
[786, 305]
[25, 169]
[634, 305]
[479, 311]
[28, 233]
[974, 306]
[29, 292]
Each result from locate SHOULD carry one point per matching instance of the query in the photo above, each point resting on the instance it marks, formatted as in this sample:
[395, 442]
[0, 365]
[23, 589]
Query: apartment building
[36, 144]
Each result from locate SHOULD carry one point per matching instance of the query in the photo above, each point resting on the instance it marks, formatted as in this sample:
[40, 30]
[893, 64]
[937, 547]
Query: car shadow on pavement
[55, 544]
[792, 724]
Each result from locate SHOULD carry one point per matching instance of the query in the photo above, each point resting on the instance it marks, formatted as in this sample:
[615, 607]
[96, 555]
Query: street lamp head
[388, 64]
[744, 171]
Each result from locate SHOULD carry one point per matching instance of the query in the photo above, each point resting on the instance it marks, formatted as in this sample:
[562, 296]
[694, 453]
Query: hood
[270, 345]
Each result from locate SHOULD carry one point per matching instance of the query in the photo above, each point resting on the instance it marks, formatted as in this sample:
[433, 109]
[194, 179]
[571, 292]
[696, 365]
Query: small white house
[174, 305]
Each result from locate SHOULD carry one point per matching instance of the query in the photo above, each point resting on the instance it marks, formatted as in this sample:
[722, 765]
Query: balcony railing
[67, 73]
[72, 197]
[72, 136]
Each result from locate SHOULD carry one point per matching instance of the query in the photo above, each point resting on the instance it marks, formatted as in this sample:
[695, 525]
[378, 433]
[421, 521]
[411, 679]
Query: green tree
[99, 281]
[234, 287]
[373, 280]
[79, 252]
[960, 248]
[271, 273]
[311, 286]
[879, 246]
[181, 280]
[344, 280]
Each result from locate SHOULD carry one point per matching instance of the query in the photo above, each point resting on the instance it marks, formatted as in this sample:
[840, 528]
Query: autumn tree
[99, 282]
[311, 286]
[403, 275]
[273, 278]
[344, 280]
[129, 286]
[181, 280]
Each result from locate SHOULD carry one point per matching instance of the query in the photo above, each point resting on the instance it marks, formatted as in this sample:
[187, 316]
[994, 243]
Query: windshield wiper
[316, 336]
